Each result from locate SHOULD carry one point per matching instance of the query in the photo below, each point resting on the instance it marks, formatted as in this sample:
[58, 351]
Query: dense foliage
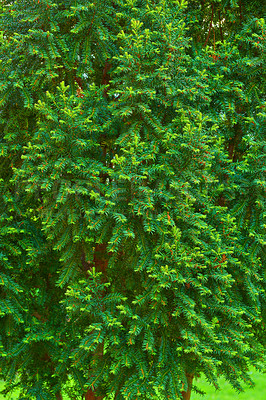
[132, 184]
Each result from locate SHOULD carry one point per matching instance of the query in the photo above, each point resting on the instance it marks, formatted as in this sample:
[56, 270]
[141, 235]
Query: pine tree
[132, 226]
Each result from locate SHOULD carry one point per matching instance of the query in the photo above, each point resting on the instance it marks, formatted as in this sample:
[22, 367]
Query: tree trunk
[59, 396]
[90, 395]
[100, 262]
[186, 395]
[101, 259]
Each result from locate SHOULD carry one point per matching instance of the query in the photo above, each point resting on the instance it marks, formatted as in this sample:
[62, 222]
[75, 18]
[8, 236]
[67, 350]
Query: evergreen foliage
[132, 184]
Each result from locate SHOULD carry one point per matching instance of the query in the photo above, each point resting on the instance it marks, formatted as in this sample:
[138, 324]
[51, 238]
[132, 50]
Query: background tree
[133, 196]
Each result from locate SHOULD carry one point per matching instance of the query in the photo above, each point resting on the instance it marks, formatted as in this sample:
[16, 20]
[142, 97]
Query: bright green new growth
[132, 228]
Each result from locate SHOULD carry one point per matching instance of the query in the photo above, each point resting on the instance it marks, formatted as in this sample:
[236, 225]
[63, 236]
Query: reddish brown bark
[210, 27]
[186, 395]
[220, 26]
[100, 261]
[232, 147]
[59, 396]
[90, 395]
[39, 317]
[240, 10]
[106, 76]
[79, 82]
[47, 359]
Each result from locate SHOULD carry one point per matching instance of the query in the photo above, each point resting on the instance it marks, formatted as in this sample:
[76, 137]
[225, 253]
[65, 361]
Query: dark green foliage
[132, 228]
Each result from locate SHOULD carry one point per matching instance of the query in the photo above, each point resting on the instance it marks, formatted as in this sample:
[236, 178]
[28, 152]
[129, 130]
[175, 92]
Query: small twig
[210, 28]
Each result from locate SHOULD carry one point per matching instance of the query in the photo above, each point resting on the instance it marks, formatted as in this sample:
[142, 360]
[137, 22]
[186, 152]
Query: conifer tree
[132, 226]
